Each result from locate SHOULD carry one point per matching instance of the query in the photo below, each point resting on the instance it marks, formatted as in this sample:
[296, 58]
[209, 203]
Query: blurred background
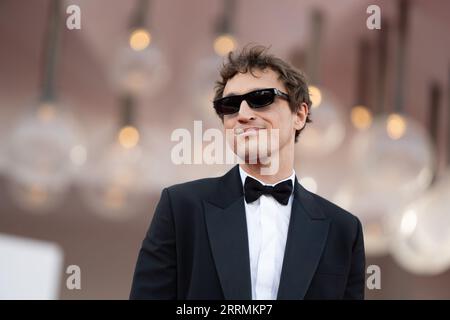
[86, 117]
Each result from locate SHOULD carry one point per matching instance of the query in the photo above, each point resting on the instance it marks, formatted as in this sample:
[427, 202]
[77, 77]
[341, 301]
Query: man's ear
[300, 116]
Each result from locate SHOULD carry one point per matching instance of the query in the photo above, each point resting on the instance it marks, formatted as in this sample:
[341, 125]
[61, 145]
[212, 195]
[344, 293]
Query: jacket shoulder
[335, 212]
[194, 188]
[345, 226]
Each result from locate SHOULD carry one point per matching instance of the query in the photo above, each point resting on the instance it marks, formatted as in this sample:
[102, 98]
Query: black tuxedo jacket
[197, 246]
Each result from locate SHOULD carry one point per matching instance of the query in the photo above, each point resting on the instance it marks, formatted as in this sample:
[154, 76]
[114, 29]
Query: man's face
[276, 119]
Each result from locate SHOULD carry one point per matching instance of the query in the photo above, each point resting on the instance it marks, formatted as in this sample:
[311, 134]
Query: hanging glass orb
[395, 154]
[120, 177]
[42, 154]
[392, 164]
[163, 171]
[372, 206]
[421, 241]
[36, 198]
[319, 175]
[112, 184]
[327, 132]
[140, 68]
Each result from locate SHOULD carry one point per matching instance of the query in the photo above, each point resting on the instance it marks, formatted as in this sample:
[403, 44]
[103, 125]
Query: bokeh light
[140, 39]
[361, 117]
[224, 43]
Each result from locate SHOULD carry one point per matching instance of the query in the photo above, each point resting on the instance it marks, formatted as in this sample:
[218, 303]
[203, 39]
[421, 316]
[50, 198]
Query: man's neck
[285, 168]
[255, 171]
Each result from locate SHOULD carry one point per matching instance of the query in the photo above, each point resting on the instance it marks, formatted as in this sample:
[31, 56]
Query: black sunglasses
[255, 99]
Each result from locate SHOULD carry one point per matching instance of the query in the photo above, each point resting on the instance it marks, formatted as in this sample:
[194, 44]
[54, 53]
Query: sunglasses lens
[228, 105]
[260, 98]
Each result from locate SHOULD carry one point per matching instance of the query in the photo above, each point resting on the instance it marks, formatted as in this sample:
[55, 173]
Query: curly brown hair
[256, 57]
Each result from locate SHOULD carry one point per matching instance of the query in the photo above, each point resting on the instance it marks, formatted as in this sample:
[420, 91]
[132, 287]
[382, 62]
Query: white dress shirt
[267, 228]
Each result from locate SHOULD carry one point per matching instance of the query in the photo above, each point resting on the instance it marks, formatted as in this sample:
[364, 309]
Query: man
[250, 235]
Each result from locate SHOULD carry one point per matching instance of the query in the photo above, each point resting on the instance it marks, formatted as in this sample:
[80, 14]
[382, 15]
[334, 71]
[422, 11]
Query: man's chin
[252, 157]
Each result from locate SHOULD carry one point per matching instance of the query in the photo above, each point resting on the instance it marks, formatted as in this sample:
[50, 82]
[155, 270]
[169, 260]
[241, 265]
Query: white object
[29, 269]
[421, 242]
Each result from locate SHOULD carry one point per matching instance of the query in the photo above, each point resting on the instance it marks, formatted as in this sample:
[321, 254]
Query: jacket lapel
[307, 235]
[224, 212]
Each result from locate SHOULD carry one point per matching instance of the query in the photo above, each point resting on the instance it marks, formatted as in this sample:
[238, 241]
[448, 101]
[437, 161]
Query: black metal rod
[140, 17]
[435, 113]
[127, 107]
[403, 11]
[380, 76]
[51, 51]
[362, 77]
[433, 125]
[315, 43]
[224, 24]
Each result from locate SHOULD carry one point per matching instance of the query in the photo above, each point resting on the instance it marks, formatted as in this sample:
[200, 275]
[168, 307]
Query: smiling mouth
[243, 132]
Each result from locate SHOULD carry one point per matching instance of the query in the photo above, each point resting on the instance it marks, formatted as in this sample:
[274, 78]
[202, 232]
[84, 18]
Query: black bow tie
[253, 189]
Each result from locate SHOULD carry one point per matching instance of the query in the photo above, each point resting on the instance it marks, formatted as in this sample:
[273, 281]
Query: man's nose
[245, 112]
